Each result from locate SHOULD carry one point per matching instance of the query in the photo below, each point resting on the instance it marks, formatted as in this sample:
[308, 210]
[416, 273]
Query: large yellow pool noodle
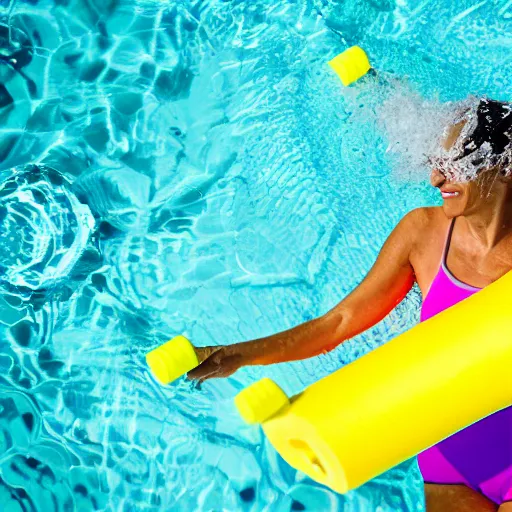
[423, 386]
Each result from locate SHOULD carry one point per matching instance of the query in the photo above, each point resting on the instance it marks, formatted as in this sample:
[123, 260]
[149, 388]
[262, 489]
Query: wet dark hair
[493, 126]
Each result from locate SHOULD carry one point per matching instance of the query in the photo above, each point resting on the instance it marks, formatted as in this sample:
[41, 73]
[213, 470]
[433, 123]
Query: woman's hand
[217, 362]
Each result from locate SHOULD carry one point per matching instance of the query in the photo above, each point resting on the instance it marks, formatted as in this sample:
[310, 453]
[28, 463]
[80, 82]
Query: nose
[437, 178]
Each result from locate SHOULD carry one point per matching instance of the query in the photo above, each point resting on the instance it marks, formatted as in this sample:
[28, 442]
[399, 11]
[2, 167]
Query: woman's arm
[387, 283]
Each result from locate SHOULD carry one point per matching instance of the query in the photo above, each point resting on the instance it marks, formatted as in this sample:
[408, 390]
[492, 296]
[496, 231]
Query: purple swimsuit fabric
[480, 456]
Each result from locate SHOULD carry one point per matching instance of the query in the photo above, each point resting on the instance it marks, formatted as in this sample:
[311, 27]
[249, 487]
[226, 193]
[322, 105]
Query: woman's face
[462, 198]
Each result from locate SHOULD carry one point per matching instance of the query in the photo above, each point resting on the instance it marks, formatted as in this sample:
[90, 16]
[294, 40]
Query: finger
[203, 353]
[219, 372]
[213, 368]
[214, 372]
[214, 375]
[203, 378]
[205, 368]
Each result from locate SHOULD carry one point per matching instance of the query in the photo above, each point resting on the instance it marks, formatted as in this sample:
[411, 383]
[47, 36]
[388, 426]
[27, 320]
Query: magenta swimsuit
[480, 456]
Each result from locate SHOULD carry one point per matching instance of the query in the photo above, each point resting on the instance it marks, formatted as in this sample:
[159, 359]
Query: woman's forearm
[387, 283]
[306, 340]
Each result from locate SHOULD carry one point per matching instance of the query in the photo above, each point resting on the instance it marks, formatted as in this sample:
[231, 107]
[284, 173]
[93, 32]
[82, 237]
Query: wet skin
[480, 253]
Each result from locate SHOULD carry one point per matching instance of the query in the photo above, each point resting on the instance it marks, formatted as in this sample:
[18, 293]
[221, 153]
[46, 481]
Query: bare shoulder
[430, 229]
[422, 223]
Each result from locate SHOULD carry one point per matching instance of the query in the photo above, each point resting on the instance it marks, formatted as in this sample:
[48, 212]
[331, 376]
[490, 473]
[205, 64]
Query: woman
[451, 251]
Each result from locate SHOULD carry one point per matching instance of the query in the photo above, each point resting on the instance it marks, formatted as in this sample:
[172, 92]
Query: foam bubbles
[45, 229]
[469, 156]
[413, 127]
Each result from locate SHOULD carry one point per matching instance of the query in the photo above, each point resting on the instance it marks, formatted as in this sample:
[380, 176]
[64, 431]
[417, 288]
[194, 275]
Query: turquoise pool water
[194, 167]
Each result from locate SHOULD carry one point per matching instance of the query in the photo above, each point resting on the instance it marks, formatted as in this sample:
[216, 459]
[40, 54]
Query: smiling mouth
[449, 195]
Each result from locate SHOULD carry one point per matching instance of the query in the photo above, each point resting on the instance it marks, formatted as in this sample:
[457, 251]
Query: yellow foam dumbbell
[260, 401]
[172, 359]
[350, 65]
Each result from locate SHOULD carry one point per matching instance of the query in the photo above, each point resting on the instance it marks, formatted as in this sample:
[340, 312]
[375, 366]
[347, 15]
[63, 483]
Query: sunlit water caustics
[194, 167]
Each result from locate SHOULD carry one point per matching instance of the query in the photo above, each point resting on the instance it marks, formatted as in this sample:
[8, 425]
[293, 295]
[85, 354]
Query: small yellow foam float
[350, 65]
[171, 360]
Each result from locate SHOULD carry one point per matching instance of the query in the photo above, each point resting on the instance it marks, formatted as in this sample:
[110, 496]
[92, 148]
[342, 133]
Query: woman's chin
[452, 210]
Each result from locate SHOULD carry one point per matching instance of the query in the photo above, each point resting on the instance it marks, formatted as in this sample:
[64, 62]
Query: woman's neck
[492, 221]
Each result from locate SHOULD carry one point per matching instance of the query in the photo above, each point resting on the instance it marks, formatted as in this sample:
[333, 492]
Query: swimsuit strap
[447, 243]
[444, 265]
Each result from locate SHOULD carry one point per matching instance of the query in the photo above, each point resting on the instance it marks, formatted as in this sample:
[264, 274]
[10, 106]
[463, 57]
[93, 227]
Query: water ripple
[195, 167]
[45, 229]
